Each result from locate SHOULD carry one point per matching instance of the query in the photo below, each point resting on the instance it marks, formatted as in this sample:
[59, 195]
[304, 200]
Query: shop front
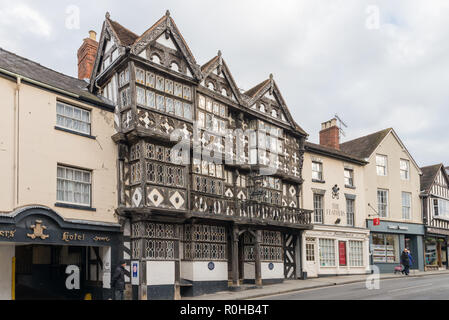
[43, 256]
[435, 245]
[388, 240]
[331, 251]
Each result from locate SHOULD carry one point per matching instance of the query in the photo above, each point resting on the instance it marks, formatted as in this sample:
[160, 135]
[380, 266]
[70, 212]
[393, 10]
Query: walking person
[410, 257]
[405, 261]
[118, 281]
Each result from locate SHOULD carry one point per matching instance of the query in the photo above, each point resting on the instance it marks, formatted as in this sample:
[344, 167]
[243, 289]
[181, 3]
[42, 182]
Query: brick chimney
[330, 134]
[86, 56]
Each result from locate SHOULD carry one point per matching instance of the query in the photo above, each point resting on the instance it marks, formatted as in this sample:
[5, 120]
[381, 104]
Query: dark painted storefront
[50, 252]
[388, 240]
[436, 248]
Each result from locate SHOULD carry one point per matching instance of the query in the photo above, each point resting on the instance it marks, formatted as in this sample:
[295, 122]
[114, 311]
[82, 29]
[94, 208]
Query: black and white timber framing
[194, 228]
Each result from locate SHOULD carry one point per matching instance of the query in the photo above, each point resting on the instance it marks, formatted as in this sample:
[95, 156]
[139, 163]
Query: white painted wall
[276, 273]
[6, 254]
[199, 271]
[106, 272]
[160, 273]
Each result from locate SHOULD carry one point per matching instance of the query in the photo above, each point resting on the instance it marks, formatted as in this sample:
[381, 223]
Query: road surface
[420, 288]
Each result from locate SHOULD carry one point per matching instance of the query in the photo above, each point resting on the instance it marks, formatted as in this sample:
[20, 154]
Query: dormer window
[211, 86]
[274, 113]
[262, 108]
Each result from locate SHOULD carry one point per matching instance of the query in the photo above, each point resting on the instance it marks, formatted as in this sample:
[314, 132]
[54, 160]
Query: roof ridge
[371, 134]
[135, 34]
[433, 165]
[256, 88]
[42, 66]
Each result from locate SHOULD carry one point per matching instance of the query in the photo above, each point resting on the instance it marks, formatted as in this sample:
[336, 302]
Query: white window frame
[404, 206]
[76, 182]
[350, 178]
[318, 212]
[327, 253]
[64, 117]
[386, 203]
[319, 172]
[383, 166]
[355, 254]
[407, 171]
[350, 215]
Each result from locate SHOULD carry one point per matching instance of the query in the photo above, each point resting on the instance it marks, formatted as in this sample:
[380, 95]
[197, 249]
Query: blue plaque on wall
[271, 266]
[211, 266]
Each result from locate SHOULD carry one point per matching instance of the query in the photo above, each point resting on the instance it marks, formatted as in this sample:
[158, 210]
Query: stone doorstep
[289, 287]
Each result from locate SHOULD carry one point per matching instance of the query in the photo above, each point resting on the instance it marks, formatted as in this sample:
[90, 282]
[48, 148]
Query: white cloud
[22, 19]
[322, 55]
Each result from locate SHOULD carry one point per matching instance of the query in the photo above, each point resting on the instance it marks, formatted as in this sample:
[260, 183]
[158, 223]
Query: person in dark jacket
[405, 261]
[118, 281]
[410, 257]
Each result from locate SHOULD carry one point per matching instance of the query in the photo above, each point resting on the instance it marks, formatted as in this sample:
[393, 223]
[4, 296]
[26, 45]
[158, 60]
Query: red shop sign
[342, 253]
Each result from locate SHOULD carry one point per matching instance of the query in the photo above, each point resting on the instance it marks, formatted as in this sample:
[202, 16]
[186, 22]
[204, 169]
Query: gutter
[54, 89]
[38, 83]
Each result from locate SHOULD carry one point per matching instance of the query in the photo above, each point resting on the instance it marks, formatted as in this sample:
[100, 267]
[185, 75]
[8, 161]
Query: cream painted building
[58, 183]
[334, 189]
[392, 190]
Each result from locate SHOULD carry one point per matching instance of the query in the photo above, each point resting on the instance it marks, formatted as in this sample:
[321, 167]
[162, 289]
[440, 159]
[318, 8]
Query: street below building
[434, 287]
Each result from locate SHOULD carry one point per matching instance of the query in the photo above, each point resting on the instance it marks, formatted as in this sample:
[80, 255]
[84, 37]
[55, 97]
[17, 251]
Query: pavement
[292, 286]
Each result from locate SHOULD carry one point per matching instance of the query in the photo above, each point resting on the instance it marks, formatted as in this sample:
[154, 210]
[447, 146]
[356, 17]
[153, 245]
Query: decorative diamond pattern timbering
[160, 197]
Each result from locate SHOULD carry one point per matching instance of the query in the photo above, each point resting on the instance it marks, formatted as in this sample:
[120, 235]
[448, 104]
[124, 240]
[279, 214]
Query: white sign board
[135, 273]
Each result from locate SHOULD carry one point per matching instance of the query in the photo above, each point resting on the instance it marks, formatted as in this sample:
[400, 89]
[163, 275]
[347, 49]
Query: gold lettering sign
[9, 234]
[103, 239]
[68, 237]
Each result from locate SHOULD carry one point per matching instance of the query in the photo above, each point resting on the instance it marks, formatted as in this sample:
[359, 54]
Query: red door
[342, 253]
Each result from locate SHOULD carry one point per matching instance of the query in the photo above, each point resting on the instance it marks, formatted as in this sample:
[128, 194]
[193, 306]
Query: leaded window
[205, 243]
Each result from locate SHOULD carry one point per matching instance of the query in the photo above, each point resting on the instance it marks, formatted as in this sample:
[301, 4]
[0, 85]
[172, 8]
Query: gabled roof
[429, 174]
[167, 25]
[331, 152]
[257, 92]
[218, 62]
[364, 147]
[36, 72]
[124, 35]
[257, 89]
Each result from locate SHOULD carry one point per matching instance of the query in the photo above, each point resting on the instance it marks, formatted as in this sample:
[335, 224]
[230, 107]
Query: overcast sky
[377, 64]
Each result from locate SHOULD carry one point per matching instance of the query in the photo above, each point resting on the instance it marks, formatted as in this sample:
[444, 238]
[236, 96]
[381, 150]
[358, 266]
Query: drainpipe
[16, 137]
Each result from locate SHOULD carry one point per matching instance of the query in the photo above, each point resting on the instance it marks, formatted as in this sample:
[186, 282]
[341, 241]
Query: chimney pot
[93, 35]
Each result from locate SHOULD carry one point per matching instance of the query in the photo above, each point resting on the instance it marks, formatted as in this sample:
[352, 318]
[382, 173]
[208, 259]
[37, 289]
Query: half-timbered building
[209, 176]
[435, 198]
